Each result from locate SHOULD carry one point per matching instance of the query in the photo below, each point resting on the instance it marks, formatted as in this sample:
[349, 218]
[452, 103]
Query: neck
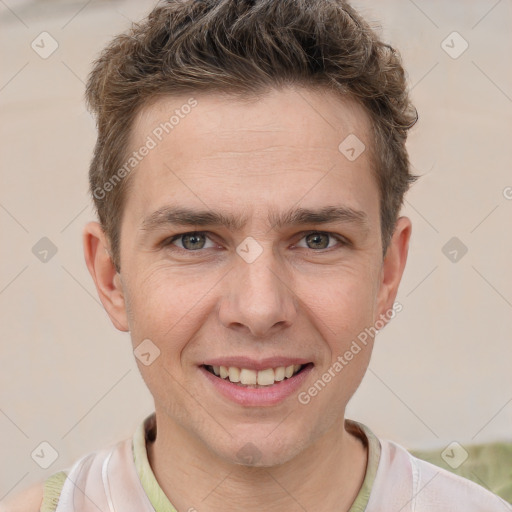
[326, 476]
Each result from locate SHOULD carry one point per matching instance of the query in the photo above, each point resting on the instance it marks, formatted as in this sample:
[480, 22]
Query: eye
[320, 240]
[192, 241]
[196, 240]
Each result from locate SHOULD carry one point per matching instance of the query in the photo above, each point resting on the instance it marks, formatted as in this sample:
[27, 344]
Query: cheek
[342, 304]
[164, 306]
[166, 309]
[342, 312]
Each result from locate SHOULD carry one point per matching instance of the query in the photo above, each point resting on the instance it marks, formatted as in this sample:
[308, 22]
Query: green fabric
[373, 445]
[489, 465]
[51, 491]
[148, 480]
[161, 503]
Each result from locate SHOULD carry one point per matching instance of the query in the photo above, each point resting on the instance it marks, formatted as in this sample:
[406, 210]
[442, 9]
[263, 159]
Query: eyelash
[169, 241]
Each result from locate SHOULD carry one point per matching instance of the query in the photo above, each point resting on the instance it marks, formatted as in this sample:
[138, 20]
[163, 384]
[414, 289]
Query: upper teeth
[263, 377]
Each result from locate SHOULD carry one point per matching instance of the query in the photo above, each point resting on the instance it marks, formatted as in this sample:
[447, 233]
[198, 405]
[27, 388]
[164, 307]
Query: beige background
[441, 369]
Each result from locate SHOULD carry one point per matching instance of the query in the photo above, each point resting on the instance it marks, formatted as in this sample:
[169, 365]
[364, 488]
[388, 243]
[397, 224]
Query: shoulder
[432, 487]
[44, 496]
[40, 497]
[28, 500]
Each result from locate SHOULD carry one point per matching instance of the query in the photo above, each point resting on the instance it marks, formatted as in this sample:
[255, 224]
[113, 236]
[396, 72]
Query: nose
[258, 299]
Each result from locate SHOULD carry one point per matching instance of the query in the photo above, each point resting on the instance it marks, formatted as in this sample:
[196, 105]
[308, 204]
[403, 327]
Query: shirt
[120, 479]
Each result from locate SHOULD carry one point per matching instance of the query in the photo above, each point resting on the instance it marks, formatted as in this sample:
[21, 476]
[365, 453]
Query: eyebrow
[180, 216]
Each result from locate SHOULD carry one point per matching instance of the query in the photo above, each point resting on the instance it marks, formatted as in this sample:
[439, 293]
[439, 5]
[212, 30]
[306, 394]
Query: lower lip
[264, 396]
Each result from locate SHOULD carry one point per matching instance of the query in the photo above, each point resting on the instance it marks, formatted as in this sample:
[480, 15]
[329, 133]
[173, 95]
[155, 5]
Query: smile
[252, 383]
[245, 377]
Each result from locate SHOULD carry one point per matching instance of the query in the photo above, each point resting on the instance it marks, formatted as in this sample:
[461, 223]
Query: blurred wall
[440, 370]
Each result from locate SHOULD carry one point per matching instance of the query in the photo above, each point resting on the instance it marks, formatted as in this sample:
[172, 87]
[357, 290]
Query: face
[250, 241]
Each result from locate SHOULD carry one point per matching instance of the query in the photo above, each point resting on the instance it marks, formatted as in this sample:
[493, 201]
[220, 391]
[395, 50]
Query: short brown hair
[245, 47]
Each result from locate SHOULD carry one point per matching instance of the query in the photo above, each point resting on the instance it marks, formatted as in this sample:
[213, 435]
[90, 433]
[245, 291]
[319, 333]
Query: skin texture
[298, 298]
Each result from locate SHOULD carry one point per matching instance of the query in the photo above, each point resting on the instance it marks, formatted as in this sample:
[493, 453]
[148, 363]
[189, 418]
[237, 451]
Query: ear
[107, 280]
[393, 267]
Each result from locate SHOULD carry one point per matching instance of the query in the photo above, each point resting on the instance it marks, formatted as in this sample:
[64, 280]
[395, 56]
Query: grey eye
[318, 240]
[191, 241]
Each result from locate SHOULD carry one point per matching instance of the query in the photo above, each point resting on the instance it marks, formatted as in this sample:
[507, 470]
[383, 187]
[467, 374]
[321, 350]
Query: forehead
[277, 148]
[299, 115]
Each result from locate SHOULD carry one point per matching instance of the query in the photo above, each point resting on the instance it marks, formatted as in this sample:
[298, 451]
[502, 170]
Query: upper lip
[255, 364]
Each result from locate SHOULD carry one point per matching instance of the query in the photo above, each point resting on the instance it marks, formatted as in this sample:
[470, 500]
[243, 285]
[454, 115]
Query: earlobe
[393, 266]
[107, 280]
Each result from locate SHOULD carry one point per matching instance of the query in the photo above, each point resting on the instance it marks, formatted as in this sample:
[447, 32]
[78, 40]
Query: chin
[261, 451]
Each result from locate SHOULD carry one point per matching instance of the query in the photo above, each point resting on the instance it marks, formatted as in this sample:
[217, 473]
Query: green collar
[146, 433]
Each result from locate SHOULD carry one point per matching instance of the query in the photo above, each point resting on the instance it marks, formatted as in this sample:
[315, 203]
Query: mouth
[249, 378]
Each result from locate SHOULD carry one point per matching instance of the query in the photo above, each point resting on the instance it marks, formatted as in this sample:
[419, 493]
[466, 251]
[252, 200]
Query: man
[248, 175]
